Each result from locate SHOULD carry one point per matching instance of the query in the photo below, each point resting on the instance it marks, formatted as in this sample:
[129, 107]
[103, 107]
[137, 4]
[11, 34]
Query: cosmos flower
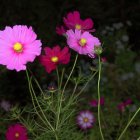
[60, 30]
[54, 56]
[16, 132]
[85, 119]
[83, 43]
[73, 21]
[18, 45]
[94, 102]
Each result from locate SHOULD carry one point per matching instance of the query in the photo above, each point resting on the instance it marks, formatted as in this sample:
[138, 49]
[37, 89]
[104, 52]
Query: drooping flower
[18, 45]
[85, 119]
[94, 102]
[60, 30]
[73, 21]
[83, 43]
[16, 132]
[54, 56]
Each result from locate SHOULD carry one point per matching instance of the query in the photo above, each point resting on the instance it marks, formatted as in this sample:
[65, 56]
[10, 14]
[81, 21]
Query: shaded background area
[45, 15]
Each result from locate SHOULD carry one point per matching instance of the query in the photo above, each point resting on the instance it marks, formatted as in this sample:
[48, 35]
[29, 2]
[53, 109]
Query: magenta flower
[94, 103]
[85, 119]
[83, 43]
[73, 21]
[121, 107]
[54, 57]
[104, 59]
[60, 30]
[16, 132]
[18, 45]
[128, 102]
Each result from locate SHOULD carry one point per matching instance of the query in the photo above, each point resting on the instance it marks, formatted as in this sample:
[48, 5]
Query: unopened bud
[98, 50]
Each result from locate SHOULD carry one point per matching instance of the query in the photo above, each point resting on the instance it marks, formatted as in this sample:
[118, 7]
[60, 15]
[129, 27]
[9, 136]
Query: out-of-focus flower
[94, 102]
[60, 30]
[121, 107]
[53, 57]
[83, 43]
[18, 45]
[129, 23]
[73, 21]
[125, 38]
[118, 25]
[104, 59]
[16, 132]
[5, 105]
[137, 67]
[85, 119]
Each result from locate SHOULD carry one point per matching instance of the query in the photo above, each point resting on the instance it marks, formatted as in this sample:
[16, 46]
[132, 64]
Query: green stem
[129, 123]
[86, 84]
[58, 79]
[99, 78]
[32, 91]
[33, 99]
[70, 73]
[61, 96]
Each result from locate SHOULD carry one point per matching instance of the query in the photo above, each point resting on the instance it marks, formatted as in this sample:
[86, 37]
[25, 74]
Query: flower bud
[98, 50]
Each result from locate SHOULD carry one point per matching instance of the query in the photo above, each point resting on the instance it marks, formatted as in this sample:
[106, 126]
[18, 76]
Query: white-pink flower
[82, 42]
[85, 119]
[18, 45]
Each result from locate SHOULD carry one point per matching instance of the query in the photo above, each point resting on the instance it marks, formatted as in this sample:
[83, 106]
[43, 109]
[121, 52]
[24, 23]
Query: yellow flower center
[85, 120]
[54, 59]
[82, 42]
[18, 47]
[78, 26]
[17, 135]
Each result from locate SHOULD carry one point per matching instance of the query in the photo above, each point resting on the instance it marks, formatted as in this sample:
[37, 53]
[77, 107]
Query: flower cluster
[78, 34]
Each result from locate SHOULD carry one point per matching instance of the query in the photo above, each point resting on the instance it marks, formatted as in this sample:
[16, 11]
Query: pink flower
[94, 103]
[18, 45]
[54, 56]
[83, 43]
[60, 30]
[85, 119]
[73, 21]
[16, 132]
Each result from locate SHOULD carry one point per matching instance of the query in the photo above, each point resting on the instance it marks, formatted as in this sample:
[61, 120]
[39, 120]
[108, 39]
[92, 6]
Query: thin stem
[58, 79]
[70, 73]
[33, 98]
[40, 107]
[61, 96]
[99, 78]
[129, 123]
[61, 79]
[78, 94]
[43, 113]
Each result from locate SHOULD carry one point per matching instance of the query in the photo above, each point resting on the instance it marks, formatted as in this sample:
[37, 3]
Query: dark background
[45, 15]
